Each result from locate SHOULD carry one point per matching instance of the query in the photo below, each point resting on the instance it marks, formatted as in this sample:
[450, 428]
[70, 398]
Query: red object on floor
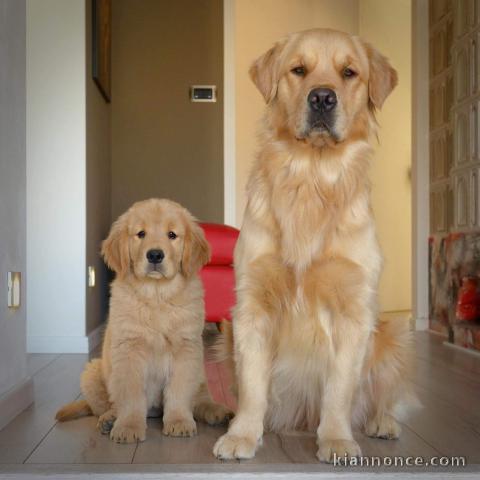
[218, 276]
[468, 303]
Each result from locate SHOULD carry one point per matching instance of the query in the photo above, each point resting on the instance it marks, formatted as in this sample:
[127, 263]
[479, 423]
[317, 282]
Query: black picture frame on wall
[101, 46]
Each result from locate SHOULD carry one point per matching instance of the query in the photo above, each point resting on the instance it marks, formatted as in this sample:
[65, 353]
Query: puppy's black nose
[322, 100]
[155, 256]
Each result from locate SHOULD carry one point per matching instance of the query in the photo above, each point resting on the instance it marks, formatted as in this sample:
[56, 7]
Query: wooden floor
[448, 384]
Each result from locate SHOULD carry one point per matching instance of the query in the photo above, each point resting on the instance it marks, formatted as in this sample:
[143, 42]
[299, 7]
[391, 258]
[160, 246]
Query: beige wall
[387, 25]
[254, 34]
[162, 144]
[98, 186]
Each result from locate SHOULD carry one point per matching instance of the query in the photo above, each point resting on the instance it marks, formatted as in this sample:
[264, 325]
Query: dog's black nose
[322, 100]
[155, 256]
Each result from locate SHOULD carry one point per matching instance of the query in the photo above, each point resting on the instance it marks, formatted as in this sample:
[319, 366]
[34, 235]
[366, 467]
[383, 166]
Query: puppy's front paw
[386, 427]
[106, 421]
[128, 432]
[183, 427]
[337, 450]
[213, 413]
[230, 447]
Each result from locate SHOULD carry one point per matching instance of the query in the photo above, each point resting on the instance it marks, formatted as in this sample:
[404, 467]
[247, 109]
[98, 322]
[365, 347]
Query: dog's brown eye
[300, 71]
[348, 73]
[141, 234]
[172, 235]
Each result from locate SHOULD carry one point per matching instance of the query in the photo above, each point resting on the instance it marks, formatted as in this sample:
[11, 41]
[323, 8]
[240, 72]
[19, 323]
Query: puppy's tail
[73, 410]
[95, 392]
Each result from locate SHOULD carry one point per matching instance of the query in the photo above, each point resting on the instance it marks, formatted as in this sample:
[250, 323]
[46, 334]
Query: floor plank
[79, 441]
[448, 385]
[443, 426]
[431, 348]
[461, 393]
[159, 448]
[37, 361]
[54, 385]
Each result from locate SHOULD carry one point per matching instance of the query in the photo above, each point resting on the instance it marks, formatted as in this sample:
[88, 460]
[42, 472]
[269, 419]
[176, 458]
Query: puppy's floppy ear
[265, 71]
[196, 250]
[115, 247]
[383, 77]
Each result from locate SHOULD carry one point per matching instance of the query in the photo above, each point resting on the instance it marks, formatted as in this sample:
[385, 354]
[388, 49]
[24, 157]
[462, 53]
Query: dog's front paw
[128, 432]
[230, 447]
[213, 413]
[386, 427]
[181, 427]
[337, 450]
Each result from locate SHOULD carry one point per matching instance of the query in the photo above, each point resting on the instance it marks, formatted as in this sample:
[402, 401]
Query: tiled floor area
[448, 384]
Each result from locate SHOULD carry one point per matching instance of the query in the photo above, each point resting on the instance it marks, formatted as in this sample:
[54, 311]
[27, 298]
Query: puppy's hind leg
[93, 389]
[206, 410]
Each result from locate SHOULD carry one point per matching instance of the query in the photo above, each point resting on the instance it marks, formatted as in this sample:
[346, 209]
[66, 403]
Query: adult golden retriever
[152, 352]
[309, 350]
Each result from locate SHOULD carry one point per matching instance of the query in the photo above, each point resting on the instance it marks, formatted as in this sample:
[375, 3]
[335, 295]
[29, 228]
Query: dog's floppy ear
[115, 247]
[196, 250]
[265, 71]
[383, 77]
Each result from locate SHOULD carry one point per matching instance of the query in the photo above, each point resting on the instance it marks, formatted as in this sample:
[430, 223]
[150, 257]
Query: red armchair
[218, 276]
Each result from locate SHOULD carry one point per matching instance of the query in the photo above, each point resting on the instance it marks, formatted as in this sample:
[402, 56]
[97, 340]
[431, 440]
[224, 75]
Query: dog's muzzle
[322, 103]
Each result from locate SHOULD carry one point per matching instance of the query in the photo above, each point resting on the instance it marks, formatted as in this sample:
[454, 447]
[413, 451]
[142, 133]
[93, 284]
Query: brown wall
[162, 144]
[98, 178]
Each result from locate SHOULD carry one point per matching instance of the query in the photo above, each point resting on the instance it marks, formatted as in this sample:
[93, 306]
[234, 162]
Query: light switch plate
[91, 276]
[13, 287]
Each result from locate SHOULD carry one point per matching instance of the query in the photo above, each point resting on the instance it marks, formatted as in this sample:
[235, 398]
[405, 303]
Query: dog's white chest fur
[314, 200]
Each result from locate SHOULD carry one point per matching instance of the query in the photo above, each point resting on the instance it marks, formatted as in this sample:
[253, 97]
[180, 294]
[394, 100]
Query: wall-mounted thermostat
[203, 93]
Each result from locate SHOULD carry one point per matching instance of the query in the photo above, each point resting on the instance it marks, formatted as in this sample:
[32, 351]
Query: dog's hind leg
[206, 410]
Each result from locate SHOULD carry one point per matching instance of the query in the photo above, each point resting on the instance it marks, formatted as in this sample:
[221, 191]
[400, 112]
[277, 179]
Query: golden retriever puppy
[308, 348]
[152, 352]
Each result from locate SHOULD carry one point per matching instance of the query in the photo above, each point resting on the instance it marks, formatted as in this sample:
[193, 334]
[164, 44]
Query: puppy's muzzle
[155, 256]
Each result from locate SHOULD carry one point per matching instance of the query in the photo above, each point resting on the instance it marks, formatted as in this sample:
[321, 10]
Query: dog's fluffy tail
[223, 352]
[394, 365]
[73, 410]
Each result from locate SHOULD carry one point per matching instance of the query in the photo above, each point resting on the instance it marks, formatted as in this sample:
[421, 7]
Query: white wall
[15, 387]
[56, 192]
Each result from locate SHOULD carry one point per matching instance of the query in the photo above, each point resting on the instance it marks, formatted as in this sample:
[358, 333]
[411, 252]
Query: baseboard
[468, 351]
[50, 344]
[15, 401]
[76, 344]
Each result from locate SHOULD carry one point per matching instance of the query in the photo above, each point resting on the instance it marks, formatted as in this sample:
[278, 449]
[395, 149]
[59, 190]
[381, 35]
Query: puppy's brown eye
[349, 73]
[141, 234]
[172, 235]
[299, 71]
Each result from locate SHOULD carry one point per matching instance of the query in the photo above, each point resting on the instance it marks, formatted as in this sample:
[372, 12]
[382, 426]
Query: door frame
[229, 135]
[420, 163]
